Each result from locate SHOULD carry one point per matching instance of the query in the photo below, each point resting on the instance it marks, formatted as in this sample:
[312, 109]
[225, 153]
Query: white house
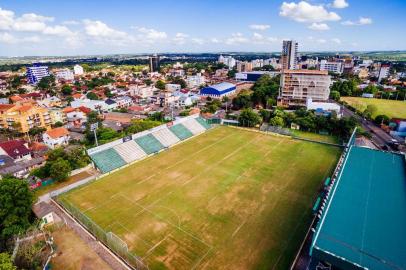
[172, 87]
[78, 70]
[141, 91]
[64, 74]
[56, 137]
[124, 102]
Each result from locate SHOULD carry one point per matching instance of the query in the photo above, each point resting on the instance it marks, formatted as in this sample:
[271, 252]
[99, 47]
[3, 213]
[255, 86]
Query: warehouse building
[253, 76]
[362, 220]
[218, 90]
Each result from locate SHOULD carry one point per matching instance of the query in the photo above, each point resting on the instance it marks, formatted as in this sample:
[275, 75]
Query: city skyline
[125, 27]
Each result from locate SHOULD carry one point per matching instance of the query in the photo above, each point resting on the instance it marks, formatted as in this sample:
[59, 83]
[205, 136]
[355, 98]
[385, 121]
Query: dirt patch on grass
[73, 253]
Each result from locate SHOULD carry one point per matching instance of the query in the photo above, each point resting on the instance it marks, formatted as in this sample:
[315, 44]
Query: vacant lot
[391, 108]
[73, 253]
[227, 199]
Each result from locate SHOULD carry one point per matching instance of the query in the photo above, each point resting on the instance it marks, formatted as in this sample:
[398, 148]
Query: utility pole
[93, 128]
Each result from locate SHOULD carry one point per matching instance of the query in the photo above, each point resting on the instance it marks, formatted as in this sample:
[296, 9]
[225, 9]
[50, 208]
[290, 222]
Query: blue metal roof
[218, 89]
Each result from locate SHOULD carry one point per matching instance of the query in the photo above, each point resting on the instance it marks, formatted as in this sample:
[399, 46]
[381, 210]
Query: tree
[371, 89]
[141, 125]
[66, 90]
[92, 96]
[6, 263]
[248, 118]
[60, 169]
[277, 121]
[160, 85]
[231, 73]
[382, 119]
[243, 100]
[58, 124]
[15, 208]
[264, 88]
[370, 111]
[335, 95]
[46, 83]
[180, 81]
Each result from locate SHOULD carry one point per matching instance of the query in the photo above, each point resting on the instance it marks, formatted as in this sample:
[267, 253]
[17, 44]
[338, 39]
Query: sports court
[226, 199]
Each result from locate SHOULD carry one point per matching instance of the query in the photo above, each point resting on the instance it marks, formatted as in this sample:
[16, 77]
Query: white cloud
[261, 27]
[6, 19]
[57, 30]
[151, 34]
[305, 12]
[7, 38]
[321, 40]
[214, 40]
[336, 40]
[319, 26]
[361, 21]
[340, 4]
[71, 22]
[236, 38]
[100, 29]
[31, 22]
[180, 38]
[198, 41]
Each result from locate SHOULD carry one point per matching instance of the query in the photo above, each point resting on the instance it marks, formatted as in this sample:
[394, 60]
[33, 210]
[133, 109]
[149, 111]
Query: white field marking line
[164, 169]
[154, 246]
[290, 239]
[191, 179]
[170, 223]
[201, 258]
[182, 160]
[216, 164]
[126, 229]
[239, 227]
[102, 204]
[331, 196]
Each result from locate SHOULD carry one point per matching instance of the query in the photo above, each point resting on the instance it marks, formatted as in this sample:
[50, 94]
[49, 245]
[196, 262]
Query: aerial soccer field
[226, 199]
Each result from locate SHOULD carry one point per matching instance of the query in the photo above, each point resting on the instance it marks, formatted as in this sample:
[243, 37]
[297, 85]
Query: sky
[83, 27]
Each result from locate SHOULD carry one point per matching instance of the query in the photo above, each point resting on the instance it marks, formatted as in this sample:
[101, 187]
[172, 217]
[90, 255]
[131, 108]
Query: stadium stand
[149, 144]
[363, 224]
[115, 154]
[165, 137]
[107, 160]
[130, 151]
[203, 122]
[181, 131]
[193, 126]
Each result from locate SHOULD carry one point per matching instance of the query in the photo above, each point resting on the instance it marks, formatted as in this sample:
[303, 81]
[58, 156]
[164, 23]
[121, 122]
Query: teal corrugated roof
[365, 220]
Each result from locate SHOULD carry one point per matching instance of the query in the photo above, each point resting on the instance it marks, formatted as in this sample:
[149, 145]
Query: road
[379, 137]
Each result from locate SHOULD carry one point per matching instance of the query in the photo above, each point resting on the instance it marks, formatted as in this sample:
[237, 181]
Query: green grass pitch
[226, 199]
[391, 108]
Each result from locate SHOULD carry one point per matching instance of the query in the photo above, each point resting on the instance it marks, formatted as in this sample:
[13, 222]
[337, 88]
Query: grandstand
[165, 137]
[149, 144]
[363, 224]
[138, 146]
[181, 131]
[108, 160]
[194, 126]
[130, 151]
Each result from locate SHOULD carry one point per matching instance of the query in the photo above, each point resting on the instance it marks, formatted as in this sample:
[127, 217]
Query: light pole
[93, 128]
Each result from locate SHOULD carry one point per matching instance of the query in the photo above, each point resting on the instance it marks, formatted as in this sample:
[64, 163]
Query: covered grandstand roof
[363, 225]
[218, 89]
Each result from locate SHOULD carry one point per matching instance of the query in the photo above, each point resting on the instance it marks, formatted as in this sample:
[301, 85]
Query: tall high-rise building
[154, 63]
[36, 73]
[289, 54]
[383, 72]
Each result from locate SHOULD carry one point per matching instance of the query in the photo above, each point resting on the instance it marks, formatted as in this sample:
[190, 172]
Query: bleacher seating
[193, 126]
[181, 131]
[149, 144]
[107, 160]
[165, 137]
[130, 151]
[203, 122]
